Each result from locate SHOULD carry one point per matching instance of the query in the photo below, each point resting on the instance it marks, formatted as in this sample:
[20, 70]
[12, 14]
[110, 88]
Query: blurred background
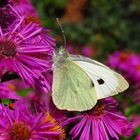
[108, 31]
[106, 26]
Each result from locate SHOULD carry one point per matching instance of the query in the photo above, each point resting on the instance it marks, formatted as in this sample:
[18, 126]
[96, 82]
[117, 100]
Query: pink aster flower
[135, 118]
[129, 63]
[134, 69]
[138, 137]
[44, 83]
[22, 124]
[71, 48]
[101, 123]
[119, 60]
[7, 91]
[88, 51]
[16, 84]
[45, 39]
[20, 55]
[8, 17]
[136, 95]
[24, 7]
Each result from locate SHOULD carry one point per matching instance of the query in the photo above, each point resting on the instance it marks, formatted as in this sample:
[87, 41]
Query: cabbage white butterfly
[78, 82]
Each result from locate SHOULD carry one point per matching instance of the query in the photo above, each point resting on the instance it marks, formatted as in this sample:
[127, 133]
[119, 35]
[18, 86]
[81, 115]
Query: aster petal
[24, 31]
[35, 62]
[86, 131]
[117, 114]
[65, 122]
[33, 48]
[24, 72]
[12, 8]
[32, 32]
[46, 125]
[113, 127]
[38, 118]
[50, 133]
[18, 24]
[95, 132]
[76, 130]
[40, 138]
[1, 32]
[47, 39]
[103, 131]
[109, 128]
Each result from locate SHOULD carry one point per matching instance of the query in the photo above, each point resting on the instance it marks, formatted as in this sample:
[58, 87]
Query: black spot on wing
[100, 81]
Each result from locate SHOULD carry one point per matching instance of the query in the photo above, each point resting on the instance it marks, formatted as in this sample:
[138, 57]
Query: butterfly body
[78, 82]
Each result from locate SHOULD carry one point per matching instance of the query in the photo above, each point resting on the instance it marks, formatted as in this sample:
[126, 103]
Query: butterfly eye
[100, 81]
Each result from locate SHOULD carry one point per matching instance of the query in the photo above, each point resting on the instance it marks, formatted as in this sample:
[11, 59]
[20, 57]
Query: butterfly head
[60, 54]
[60, 50]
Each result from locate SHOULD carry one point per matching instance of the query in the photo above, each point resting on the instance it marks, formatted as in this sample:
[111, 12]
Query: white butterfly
[78, 82]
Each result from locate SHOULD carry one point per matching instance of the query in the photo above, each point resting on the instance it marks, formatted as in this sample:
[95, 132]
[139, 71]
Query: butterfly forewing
[107, 82]
[73, 89]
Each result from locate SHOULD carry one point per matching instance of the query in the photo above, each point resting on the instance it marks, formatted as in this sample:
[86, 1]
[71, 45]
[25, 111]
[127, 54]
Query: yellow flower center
[7, 48]
[12, 86]
[56, 127]
[32, 18]
[138, 67]
[124, 56]
[98, 109]
[20, 131]
[16, 1]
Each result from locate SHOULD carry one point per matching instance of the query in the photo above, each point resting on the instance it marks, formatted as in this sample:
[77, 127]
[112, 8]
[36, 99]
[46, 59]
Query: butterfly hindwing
[73, 89]
[107, 82]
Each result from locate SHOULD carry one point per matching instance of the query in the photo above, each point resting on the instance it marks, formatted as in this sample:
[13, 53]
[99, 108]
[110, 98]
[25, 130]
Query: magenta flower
[22, 124]
[134, 69]
[16, 84]
[88, 51]
[135, 118]
[101, 123]
[136, 95]
[138, 137]
[18, 53]
[71, 48]
[24, 7]
[45, 39]
[7, 91]
[119, 60]
[8, 17]
[129, 63]
[43, 83]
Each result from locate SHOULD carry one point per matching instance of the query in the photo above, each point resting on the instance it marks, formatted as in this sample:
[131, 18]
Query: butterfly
[78, 81]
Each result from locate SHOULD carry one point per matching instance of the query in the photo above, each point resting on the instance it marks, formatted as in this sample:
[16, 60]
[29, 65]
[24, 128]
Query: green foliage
[49, 10]
[24, 92]
[110, 25]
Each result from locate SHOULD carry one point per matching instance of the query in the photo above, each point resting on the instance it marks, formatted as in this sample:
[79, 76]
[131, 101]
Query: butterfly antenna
[63, 33]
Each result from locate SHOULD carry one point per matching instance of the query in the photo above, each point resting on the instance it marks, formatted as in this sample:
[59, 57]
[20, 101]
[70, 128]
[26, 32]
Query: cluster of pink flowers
[129, 64]
[26, 50]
